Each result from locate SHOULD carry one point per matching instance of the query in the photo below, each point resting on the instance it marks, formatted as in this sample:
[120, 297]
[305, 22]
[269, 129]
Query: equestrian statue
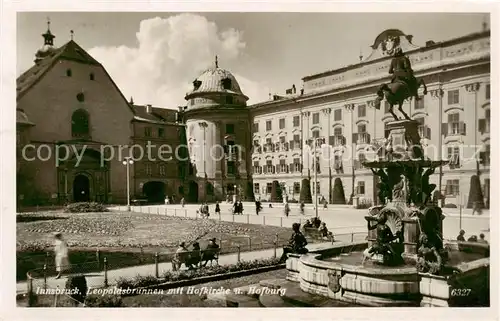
[403, 84]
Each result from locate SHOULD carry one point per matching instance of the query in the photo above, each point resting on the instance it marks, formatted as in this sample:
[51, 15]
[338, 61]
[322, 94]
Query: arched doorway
[154, 191]
[193, 192]
[81, 188]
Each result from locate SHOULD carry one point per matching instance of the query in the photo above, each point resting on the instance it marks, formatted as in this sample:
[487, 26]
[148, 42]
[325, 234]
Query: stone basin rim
[312, 260]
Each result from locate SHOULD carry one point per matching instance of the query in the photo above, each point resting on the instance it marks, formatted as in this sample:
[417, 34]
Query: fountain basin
[336, 272]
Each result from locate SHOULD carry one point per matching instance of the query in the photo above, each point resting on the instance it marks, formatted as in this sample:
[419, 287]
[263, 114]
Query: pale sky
[154, 57]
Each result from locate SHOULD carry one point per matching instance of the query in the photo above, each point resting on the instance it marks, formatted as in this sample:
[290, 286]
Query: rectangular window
[315, 134]
[296, 141]
[488, 91]
[256, 188]
[256, 168]
[269, 166]
[269, 188]
[282, 123]
[161, 132]
[296, 165]
[454, 124]
[337, 131]
[361, 128]
[269, 125]
[148, 170]
[255, 127]
[484, 157]
[453, 97]
[361, 187]
[162, 170]
[454, 157]
[337, 115]
[362, 111]
[296, 121]
[147, 131]
[316, 118]
[231, 168]
[296, 188]
[452, 187]
[229, 128]
[283, 167]
[419, 104]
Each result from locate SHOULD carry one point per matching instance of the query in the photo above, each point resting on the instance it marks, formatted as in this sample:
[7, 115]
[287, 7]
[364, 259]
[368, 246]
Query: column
[305, 151]
[327, 113]
[352, 154]
[471, 120]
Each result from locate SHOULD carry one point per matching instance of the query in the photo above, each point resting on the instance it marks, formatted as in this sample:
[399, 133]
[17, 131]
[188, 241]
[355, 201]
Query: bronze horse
[396, 92]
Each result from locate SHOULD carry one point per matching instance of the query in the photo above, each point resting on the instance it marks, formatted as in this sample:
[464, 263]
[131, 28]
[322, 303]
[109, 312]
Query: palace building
[322, 132]
[335, 108]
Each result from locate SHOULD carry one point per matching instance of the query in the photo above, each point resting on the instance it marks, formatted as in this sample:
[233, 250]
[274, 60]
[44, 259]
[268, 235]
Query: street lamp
[315, 142]
[127, 161]
[235, 193]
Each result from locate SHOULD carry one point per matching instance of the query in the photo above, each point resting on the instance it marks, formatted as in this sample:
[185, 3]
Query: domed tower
[218, 137]
[48, 45]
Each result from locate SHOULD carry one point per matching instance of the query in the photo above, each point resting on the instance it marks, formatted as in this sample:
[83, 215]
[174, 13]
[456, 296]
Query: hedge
[338, 196]
[85, 207]
[305, 191]
[276, 192]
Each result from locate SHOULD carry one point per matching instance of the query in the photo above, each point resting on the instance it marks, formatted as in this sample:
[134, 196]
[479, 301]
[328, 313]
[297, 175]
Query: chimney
[180, 108]
[149, 109]
[294, 90]
[429, 43]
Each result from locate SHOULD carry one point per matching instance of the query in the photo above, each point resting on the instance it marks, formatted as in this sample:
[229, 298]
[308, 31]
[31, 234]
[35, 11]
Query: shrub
[449, 205]
[475, 192]
[276, 192]
[305, 191]
[77, 282]
[106, 300]
[85, 207]
[249, 195]
[338, 196]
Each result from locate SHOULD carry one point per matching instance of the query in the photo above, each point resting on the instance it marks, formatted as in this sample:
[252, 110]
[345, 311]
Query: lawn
[128, 239]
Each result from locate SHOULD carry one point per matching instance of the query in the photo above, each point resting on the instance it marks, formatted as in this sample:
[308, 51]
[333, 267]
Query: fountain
[404, 261]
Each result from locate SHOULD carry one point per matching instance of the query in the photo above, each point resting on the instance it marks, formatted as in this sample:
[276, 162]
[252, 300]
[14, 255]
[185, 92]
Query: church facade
[69, 109]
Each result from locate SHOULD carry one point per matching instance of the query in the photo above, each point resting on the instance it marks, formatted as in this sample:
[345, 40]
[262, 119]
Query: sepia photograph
[252, 159]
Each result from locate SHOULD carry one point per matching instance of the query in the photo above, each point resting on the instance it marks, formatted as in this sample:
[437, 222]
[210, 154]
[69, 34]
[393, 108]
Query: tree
[249, 195]
[276, 192]
[475, 192]
[305, 191]
[338, 196]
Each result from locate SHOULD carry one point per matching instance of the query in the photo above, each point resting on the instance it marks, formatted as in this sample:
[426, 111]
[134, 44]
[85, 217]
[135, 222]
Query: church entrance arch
[81, 188]
[154, 191]
[192, 192]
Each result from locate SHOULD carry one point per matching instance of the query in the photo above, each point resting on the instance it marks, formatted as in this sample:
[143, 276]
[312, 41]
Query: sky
[155, 57]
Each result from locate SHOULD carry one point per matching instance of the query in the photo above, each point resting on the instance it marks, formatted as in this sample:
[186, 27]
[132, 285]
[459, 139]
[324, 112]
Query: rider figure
[401, 70]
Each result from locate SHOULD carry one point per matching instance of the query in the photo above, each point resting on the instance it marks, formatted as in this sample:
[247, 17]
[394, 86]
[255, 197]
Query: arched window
[91, 76]
[80, 123]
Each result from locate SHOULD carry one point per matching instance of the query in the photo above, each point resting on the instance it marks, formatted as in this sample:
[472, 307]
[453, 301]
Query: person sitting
[473, 238]
[323, 230]
[316, 222]
[307, 224]
[481, 239]
[194, 256]
[460, 236]
[296, 244]
[210, 252]
[180, 256]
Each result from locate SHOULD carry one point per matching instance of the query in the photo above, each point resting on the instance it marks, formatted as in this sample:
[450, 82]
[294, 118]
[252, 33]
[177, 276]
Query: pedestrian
[61, 254]
[325, 203]
[183, 201]
[302, 207]
[287, 209]
[217, 208]
[460, 236]
[476, 208]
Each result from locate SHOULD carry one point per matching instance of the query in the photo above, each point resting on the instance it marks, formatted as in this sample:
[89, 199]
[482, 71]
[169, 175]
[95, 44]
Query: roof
[22, 118]
[157, 115]
[70, 51]
[212, 82]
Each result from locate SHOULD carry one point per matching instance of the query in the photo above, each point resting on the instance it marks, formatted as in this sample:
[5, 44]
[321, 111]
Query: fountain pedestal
[411, 234]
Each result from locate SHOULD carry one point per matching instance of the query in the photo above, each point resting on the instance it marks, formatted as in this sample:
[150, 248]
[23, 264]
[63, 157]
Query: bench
[185, 258]
[140, 201]
[313, 233]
